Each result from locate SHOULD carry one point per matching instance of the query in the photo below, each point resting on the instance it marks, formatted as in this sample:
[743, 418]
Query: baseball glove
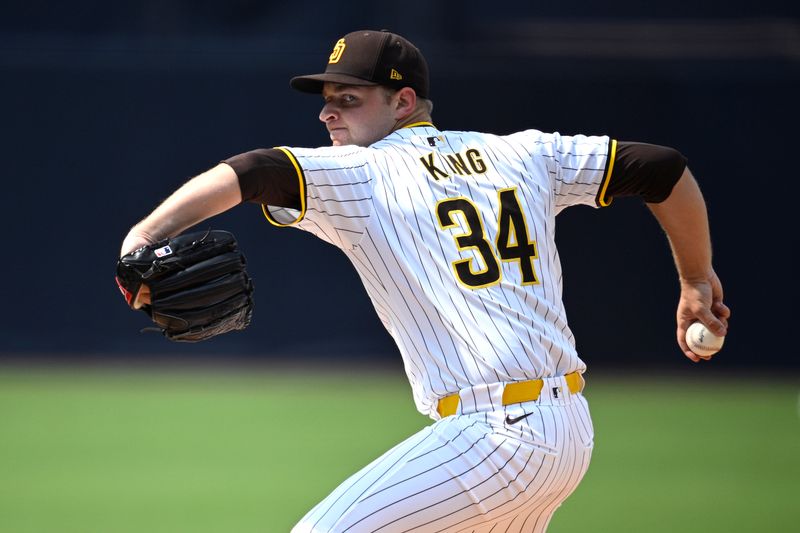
[199, 287]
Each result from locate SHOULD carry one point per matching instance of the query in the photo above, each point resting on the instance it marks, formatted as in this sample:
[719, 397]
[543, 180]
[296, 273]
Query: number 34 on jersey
[513, 242]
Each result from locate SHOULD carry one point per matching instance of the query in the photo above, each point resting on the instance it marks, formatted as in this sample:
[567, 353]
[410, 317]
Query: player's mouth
[337, 135]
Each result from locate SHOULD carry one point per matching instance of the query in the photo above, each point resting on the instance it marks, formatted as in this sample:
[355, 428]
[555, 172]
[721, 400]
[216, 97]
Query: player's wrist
[135, 239]
[700, 276]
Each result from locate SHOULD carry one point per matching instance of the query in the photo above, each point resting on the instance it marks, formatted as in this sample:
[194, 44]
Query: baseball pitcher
[452, 234]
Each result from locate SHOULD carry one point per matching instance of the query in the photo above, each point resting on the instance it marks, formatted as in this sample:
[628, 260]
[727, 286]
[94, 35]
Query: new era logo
[394, 75]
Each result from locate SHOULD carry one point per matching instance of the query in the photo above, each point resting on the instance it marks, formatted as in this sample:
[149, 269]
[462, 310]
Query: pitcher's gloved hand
[198, 284]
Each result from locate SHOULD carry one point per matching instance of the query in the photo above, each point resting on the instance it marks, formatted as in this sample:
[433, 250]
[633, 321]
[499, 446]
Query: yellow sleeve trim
[602, 201]
[302, 180]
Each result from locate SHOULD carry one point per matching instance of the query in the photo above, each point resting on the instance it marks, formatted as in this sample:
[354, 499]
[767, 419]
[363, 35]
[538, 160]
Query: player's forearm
[202, 197]
[685, 220]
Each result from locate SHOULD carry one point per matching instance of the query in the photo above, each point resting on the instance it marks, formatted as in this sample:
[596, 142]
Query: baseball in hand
[701, 341]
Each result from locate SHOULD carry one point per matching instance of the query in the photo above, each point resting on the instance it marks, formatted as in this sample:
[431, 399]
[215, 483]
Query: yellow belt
[516, 392]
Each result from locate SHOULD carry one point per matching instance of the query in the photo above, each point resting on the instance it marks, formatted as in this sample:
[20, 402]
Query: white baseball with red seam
[701, 341]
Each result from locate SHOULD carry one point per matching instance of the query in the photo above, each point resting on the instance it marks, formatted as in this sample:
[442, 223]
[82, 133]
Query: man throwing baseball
[452, 234]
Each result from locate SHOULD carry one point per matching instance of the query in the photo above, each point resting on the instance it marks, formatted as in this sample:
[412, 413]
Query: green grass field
[251, 451]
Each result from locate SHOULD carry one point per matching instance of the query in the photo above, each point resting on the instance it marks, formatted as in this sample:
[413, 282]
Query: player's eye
[341, 99]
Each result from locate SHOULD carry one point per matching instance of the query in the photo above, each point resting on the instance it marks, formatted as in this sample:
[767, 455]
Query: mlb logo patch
[436, 141]
[163, 251]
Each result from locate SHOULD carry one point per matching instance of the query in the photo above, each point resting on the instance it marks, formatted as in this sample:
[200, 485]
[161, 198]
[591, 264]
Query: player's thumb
[142, 297]
[714, 324]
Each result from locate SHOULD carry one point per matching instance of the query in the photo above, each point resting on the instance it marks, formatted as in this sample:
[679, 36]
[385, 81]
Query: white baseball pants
[476, 472]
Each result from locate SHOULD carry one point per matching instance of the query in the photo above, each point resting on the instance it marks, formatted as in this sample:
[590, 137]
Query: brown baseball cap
[368, 57]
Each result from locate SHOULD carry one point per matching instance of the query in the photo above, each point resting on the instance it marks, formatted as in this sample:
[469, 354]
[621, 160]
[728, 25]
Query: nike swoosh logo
[511, 421]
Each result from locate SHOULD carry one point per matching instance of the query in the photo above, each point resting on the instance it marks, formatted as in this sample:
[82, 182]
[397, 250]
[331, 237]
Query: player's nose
[328, 113]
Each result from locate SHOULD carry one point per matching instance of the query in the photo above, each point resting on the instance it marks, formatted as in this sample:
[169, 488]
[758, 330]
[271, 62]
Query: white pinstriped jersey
[452, 234]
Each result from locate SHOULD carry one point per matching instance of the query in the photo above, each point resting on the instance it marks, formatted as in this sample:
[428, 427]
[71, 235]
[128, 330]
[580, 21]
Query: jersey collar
[419, 125]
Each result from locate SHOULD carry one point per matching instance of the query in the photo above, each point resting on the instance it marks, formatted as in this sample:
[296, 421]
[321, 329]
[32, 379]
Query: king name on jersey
[464, 163]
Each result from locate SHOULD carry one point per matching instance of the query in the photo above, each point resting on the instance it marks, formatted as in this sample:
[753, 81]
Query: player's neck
[417, 116]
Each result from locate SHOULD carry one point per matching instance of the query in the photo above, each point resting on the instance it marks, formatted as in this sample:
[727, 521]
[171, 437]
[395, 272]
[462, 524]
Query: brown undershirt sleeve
[646, 170]
[268, 176]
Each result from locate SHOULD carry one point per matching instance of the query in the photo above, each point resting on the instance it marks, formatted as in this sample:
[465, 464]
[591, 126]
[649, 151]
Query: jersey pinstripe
[425, 217]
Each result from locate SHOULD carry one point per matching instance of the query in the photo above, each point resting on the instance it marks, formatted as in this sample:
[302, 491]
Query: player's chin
[339, 138]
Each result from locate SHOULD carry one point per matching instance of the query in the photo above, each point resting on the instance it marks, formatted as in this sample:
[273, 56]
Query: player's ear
[405, 102]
